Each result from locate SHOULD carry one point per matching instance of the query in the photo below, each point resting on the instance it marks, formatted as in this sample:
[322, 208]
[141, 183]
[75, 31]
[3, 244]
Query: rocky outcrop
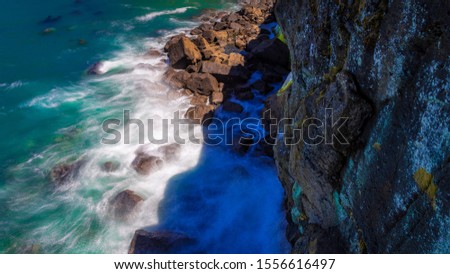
[183, 53]
[159, 242]
[63, 173]
[124, 203]
[212, 66]
[384, 65]
[145, 164]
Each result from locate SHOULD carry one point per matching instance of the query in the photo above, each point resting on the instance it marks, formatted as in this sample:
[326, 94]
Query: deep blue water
[51, 113]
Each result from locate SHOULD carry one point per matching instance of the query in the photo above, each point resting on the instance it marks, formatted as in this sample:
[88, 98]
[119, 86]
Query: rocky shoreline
[215, 65]
[230, 60]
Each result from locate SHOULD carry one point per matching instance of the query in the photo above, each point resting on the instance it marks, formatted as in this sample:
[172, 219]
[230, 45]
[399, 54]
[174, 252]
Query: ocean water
[51, 113]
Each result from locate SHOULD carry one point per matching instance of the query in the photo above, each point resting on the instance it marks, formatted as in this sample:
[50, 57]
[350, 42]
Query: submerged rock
[63, 173]
[145, 164]
[110, 166]
[124, 203]
[159, 242]
[95, 69]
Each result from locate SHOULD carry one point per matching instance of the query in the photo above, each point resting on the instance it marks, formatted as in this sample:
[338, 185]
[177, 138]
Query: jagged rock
[176, 79]
[236, 27]
[159, 242]
[215, 68]
[221, 37]
[193, 68]
[196, 31]
[172, 41]
[210, 36]
[183, 53]
[199, 100]
[235, 59]
[220, 26]
[124, 203]
[170, 152]
[225, 73]
[232, 107]
[217, 97]
[145, 164]
[199, 114]
[240, 43]
[202, 83]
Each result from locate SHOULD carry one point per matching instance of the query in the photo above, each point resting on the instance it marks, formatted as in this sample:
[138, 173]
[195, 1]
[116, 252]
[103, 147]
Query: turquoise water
[51, 112]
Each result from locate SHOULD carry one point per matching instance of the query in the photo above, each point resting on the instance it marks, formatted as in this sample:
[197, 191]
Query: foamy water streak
[151, 15]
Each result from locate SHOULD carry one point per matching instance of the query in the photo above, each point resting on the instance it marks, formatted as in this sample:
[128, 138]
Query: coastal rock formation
[124, 203]
[159, 242]
[145, 164]
[384, 65]
[213, 66]
[183, 53]
[63, 173]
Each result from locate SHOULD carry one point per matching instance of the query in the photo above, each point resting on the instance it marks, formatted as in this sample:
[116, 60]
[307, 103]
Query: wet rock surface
[64, 173]
[124, 203]
[145, 164]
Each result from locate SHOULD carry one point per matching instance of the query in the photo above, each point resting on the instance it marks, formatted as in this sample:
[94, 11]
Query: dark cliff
[384, 65]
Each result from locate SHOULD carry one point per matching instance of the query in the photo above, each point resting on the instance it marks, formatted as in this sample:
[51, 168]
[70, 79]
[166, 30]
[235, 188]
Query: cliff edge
[385, 66]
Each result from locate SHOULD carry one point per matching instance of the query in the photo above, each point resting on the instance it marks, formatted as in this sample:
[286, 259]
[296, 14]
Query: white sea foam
[13, 85]
[152, 15]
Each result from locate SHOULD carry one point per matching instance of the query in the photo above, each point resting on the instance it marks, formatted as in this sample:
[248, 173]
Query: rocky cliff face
[385, 65]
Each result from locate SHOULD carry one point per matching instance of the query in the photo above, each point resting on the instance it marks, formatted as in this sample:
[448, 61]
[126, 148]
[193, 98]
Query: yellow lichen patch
[312, 247]
[424, 181]
[377, 146]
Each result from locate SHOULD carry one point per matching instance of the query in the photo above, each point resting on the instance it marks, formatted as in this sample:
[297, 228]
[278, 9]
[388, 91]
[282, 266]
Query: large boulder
[145, 164]
[203, 83]
[225, 73]
[198, 100]
[176, 79]
[183, 53]
[160, 242]
[124, 203]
